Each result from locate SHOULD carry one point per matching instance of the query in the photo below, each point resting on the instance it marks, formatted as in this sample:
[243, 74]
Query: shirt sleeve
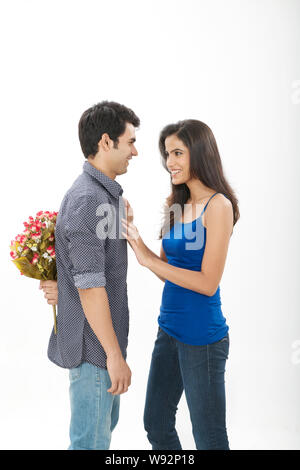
[86, 248]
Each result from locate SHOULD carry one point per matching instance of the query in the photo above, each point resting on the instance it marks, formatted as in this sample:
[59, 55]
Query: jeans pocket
[74, 373]
[225, 339]
[223, 343]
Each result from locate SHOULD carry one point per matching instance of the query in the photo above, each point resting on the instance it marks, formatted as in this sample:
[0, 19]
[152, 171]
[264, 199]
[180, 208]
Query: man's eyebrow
[174, 150]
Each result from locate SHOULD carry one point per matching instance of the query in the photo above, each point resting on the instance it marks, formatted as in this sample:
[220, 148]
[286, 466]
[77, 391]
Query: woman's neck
[198, 191]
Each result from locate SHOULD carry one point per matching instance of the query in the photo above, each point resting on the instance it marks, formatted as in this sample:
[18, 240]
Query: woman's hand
[142, 252]
[128, 211]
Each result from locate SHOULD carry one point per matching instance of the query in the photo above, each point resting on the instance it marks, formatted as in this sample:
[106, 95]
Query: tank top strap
[207, 203]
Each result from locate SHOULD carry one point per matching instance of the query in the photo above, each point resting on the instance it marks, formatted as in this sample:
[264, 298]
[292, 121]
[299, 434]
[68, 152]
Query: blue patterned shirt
[90, 252]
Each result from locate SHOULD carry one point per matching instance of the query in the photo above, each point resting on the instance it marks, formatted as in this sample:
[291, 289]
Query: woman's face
[178, 159]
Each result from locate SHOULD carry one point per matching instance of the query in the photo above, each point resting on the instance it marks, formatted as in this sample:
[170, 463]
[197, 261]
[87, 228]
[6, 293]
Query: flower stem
[55, 323]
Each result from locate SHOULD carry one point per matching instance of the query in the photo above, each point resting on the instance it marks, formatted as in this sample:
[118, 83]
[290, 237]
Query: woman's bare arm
[161, 257]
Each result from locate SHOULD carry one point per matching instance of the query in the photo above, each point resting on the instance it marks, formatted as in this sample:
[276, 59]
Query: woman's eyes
[176, 153]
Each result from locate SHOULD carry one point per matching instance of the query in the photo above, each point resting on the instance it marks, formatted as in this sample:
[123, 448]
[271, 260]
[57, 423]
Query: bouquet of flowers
[33, 250]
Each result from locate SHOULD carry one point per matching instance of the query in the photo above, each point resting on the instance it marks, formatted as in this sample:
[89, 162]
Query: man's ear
[105, 142]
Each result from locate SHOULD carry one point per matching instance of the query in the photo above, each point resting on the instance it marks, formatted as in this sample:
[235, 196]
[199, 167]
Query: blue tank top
[189, 316]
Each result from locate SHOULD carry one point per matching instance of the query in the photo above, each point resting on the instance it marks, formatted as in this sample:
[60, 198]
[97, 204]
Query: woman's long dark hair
[205, 164]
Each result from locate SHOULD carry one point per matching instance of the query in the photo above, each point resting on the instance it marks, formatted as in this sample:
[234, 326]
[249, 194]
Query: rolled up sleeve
[86, 249]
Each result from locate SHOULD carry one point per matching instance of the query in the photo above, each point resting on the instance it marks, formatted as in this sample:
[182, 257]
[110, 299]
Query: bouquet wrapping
[33, 251]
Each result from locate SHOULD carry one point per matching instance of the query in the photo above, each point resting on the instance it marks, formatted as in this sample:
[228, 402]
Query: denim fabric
[199, 371]
[94, 411]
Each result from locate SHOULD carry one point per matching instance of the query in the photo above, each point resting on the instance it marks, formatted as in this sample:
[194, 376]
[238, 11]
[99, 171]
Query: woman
[192, 343]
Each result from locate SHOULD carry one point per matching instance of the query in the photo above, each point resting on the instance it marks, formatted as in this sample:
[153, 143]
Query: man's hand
[50, 291]
[119, 373]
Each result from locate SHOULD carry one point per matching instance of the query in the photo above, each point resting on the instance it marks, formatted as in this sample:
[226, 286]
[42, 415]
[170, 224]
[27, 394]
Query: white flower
[45, 255]
[19, 249]
[34, 248]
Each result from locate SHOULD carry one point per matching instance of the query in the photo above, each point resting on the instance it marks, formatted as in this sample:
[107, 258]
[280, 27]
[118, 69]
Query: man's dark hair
[105, 117]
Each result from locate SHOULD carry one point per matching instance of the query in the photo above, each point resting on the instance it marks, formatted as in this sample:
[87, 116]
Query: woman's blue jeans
[199, 371]
[94, 411]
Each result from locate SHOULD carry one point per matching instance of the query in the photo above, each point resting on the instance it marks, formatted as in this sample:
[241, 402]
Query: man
[91, 256]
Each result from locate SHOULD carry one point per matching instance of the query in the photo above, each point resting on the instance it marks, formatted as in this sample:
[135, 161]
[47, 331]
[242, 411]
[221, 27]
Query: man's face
[119, 157]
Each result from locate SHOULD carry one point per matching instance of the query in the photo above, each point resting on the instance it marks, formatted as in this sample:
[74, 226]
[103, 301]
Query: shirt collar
[112, 186]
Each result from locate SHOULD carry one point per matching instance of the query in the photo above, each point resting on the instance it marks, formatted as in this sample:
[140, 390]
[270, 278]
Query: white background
[234, 65]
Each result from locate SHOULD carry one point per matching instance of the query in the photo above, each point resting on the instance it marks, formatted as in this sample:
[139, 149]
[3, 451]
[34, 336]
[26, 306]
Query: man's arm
[95, 305]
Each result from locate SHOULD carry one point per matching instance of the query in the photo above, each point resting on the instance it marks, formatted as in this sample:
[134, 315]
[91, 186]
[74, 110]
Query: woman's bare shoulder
[219, 209]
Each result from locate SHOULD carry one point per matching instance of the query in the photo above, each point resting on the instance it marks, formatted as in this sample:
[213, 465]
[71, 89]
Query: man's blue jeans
[94, 411]
[199, 371]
